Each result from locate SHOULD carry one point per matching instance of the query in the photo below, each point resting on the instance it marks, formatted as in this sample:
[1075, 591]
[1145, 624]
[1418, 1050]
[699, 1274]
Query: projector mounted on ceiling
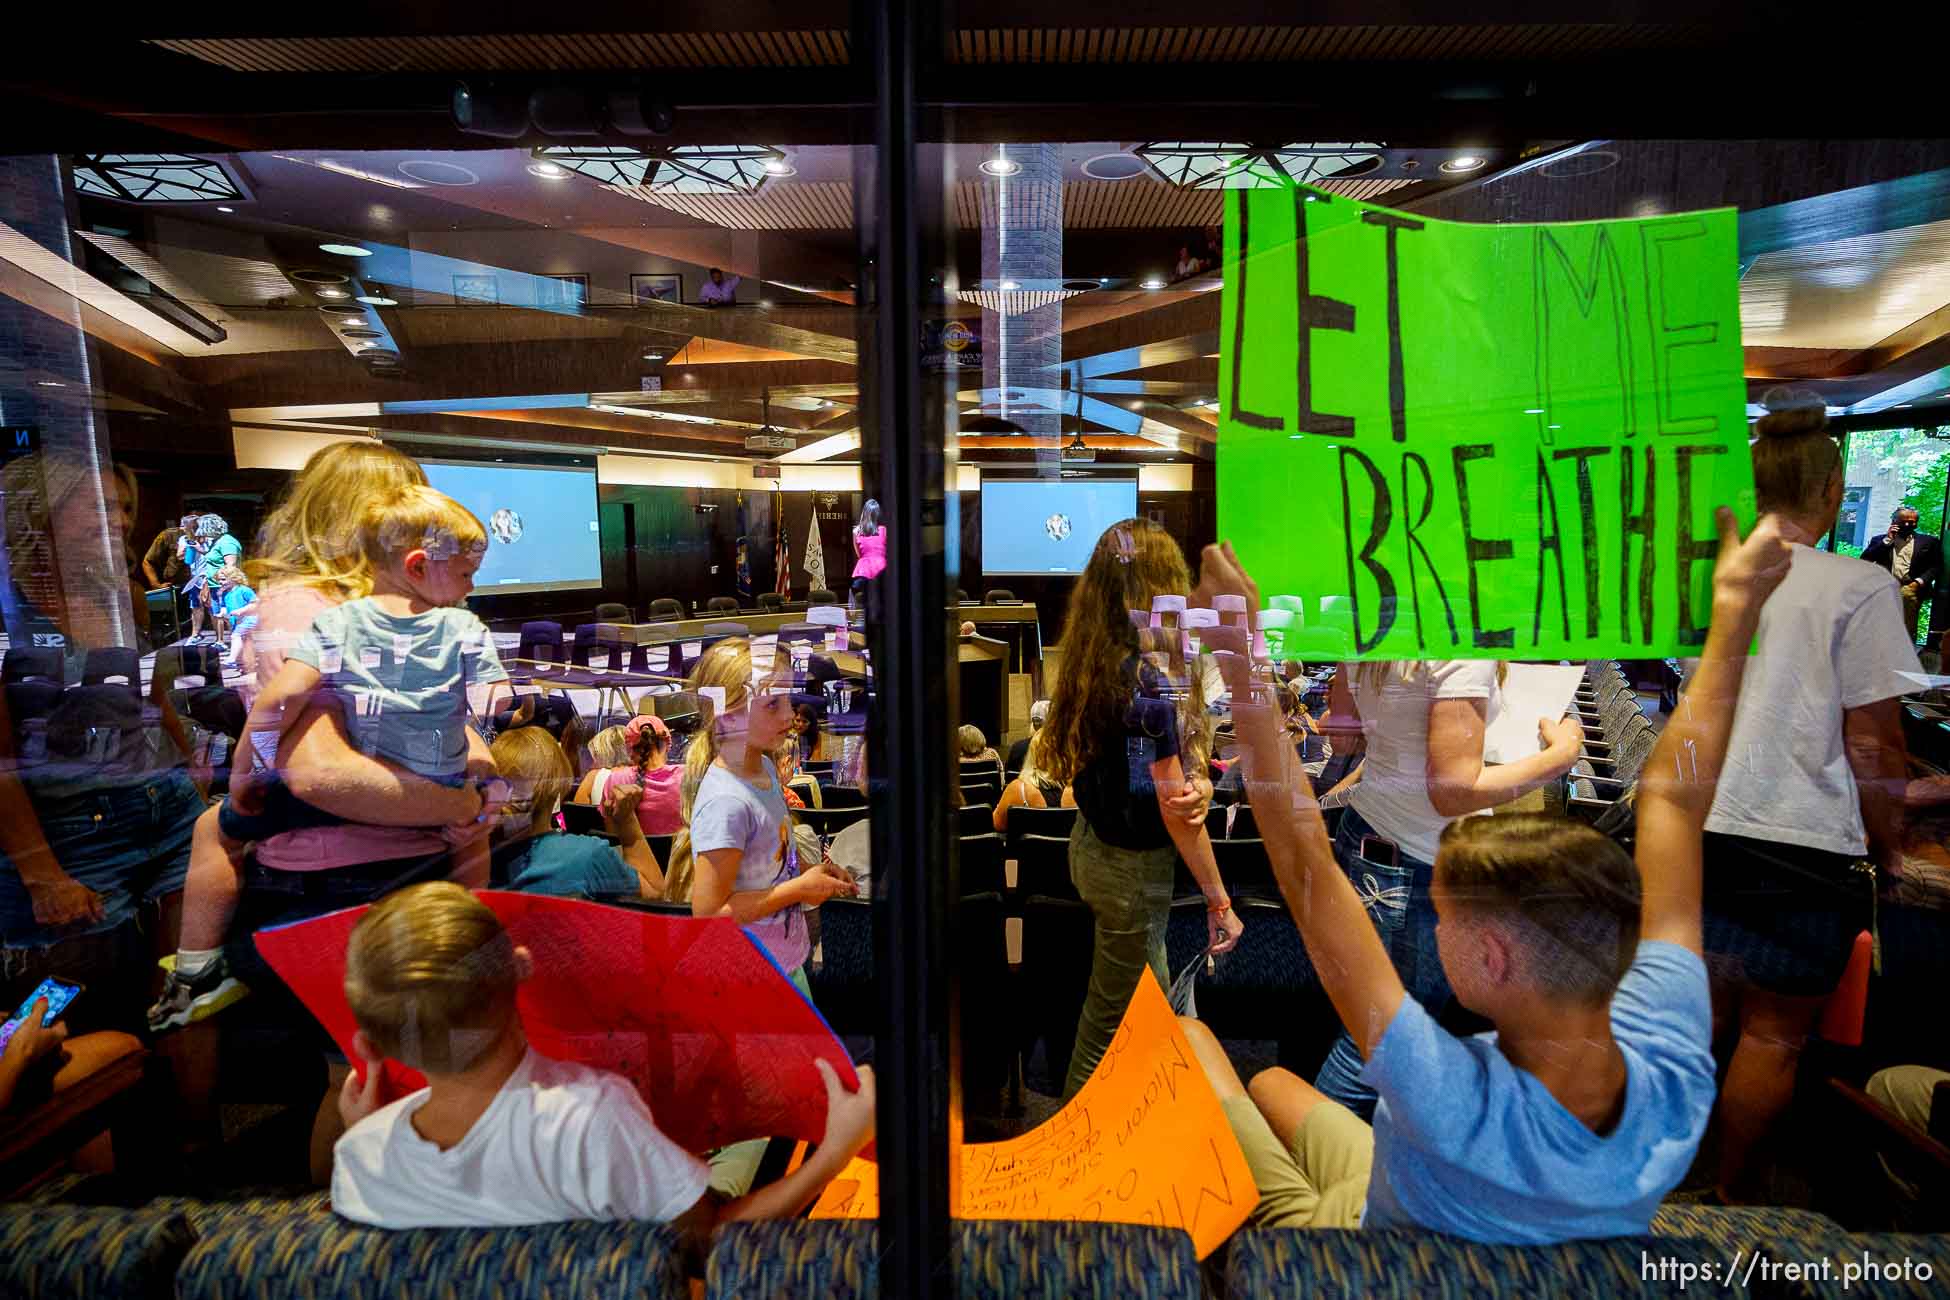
[1079, 450]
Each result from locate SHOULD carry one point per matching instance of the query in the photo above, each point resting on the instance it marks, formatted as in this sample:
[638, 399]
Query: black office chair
[1043, 866]
[981, 863]
[821, 596]
[721, 605]
[998, 596]
[961, 597]
[771, 601]
[612, 612]
[828, 821]
[976, 819]
[112, 661]
[1052, 823]
[32, 663]
[841, 796]
[664, 609]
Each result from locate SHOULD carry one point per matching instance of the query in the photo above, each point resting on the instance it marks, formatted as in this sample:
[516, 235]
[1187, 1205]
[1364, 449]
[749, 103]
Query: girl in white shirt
[1421, 723]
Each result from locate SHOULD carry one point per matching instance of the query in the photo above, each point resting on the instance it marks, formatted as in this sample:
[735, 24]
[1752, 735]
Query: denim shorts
[130, 845]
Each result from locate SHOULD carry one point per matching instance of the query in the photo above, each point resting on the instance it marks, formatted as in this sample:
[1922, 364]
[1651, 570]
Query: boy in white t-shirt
[503, 1136]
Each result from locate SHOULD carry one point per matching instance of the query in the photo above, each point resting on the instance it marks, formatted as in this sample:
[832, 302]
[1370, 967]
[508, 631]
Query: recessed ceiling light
[331, 293]
[653, 356]
[1468, 162]
[345, 250]
[1000, 166]
[52, 383]
[1152, 282]
[780, 167]
[222, 208]
[353, 320]
[376, 300]
[1008, 285]
[548, 171]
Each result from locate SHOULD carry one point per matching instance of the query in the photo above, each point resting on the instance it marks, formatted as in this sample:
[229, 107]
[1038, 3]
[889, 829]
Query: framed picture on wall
[558, 291]
[656, 288]
[475, 291]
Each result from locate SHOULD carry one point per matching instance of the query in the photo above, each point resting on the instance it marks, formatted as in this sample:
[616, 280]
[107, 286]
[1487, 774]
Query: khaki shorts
[1321, 1181]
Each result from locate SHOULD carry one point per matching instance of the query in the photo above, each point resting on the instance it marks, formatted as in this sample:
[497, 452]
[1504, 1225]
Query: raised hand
[1747, 571]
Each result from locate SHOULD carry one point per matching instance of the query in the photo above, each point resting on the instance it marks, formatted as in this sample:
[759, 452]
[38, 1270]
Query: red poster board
[692, 1011]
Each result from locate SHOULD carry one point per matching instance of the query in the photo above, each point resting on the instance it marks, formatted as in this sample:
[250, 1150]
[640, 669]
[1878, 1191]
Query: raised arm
[1677, 786]
[1341, 941]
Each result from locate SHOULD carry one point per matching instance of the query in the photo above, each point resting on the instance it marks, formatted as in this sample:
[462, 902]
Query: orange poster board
[1144, 1141]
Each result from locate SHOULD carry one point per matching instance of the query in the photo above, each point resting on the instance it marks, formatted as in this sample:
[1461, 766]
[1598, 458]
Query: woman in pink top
[869, 549]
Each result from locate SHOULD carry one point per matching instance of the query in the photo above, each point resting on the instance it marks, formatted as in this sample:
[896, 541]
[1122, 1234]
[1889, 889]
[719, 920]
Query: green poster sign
[1451, 441]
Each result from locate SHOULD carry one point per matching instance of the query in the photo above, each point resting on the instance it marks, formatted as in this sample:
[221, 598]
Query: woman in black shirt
[1126, 724]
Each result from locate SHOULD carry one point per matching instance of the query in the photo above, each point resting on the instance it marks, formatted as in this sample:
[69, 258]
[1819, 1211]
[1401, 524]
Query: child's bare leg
[212, 888]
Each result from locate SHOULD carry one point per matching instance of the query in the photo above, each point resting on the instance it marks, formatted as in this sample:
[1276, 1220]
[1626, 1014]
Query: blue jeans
[129, 844]
[1397, 899]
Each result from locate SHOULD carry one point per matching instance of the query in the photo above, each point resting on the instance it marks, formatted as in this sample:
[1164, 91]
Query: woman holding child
[311, 559]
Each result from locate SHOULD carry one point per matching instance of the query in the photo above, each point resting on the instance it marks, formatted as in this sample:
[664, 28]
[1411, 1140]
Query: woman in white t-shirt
[1812, 784]
[1421, 725]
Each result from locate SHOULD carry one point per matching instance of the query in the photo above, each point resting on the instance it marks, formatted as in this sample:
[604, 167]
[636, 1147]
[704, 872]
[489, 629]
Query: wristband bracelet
[1218, 908]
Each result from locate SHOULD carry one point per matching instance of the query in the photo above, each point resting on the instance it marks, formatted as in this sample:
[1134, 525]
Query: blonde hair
[727, 665]
[1568, 895]
[230, 575]
[36, 488]
[313, 537]
[417, 517]
[973, 742]
[1795, 457]
[531, 755]
[610, 747]
[1133, 562]
[430, 975]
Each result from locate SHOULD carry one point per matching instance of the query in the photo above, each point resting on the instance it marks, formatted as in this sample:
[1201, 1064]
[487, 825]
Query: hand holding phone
[52, 997]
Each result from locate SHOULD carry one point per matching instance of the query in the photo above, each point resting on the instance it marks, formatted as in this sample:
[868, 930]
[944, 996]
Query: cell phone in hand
[59, 993]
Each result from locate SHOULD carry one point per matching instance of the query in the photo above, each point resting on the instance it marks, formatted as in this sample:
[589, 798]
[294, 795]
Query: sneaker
[185, 1001]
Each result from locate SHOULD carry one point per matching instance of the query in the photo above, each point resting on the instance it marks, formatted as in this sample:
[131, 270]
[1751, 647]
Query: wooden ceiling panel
[567, 52]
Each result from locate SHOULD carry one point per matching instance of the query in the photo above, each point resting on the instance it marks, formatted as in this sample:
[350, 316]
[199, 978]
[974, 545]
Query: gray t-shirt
[729, 813]
[405, 678]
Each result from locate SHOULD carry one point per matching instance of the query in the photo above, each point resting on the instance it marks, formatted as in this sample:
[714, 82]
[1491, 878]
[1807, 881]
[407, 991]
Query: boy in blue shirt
[1585, 1106]
[236, 608]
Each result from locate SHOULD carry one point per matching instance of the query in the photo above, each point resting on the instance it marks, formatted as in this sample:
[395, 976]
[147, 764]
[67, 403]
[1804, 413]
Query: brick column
[46, 383]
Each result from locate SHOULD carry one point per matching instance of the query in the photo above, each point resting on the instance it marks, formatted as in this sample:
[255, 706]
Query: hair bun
[1791, 413]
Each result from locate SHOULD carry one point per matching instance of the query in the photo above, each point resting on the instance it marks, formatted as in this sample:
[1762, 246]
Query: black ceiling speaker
[566, 111]
[634, 111]
[490, 109]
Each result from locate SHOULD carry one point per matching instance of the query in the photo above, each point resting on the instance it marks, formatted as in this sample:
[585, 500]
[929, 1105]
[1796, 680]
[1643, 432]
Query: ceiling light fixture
[376, 300]
[331, 293]
[548, 171]
[1000, 166]
[653, 356]
[352, 320]
[1009, 285]
[780, 167]
[1468, 162]
[51, 383]
[1152, 282]
[345, 250]
[222, 208]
